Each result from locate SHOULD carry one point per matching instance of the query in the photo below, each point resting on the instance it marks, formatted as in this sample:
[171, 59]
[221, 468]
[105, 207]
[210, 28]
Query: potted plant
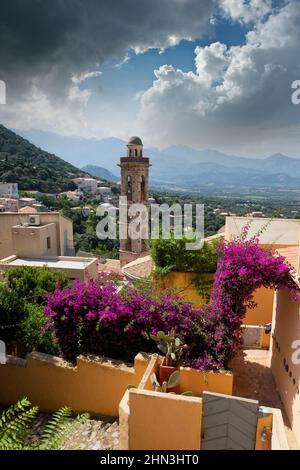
[172, 347]
[168, 387]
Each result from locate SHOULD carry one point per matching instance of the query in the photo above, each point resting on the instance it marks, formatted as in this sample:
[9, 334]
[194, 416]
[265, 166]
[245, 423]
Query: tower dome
[135, 140]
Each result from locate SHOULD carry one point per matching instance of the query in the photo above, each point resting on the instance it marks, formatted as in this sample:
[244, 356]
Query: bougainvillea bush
[93, 317]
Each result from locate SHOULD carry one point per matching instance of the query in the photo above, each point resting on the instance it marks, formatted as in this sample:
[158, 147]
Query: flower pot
[164, 374]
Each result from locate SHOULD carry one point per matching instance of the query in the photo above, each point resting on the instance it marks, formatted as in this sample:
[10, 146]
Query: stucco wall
[162, 421]
[183, 284]
[286, 330]
[95, 385]
[63, 226]
[157, 421]
[262, 313]
[32, 241]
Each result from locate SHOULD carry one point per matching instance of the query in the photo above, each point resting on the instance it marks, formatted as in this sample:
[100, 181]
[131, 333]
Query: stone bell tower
[134, 185]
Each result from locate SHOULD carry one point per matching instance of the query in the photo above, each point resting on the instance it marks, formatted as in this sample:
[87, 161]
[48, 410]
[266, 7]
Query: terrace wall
[285, 358]
[95, 385]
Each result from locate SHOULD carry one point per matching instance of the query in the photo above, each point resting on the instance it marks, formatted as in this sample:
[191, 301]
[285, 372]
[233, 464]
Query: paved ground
[253, 379]
[99, 433]
[96, 433]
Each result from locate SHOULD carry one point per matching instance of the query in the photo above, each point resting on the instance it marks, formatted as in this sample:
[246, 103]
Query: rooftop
[28, 210]
[291, 253]
[57, 263]
[140, 268]
[110, 265]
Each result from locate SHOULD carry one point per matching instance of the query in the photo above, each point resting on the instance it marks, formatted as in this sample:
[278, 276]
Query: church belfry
[134, 185]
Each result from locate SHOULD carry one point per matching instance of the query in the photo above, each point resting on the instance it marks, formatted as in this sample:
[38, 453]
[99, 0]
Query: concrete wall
[95, 385]
[286, 330]
[64, 230]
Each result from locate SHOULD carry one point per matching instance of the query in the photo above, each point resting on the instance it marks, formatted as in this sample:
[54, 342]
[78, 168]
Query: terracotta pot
[164, 374]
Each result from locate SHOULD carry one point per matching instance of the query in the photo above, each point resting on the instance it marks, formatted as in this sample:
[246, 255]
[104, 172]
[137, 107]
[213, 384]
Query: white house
[9, 190]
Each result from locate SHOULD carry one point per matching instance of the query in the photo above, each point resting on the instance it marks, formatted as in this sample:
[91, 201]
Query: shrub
[92, 318]
[33, 284]
[171, 255]
[25, 289]
[12, 310]
[30, 333]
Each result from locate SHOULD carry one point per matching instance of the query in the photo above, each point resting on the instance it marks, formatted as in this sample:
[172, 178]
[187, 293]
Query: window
[143, 185]
[129, 187]
[48, 243]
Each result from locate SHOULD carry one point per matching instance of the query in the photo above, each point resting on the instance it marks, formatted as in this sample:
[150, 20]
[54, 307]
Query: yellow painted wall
[192, 380]
[198, 382]
[286, 330]
[95, 385]
[262, 313]
[163, 421]
[183, 284]
[264, 422]
[152, 420]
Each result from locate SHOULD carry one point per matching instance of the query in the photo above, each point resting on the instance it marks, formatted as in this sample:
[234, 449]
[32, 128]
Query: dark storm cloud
[52, 40]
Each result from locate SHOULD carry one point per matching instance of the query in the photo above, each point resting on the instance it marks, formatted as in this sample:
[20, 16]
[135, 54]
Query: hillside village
[227, 332]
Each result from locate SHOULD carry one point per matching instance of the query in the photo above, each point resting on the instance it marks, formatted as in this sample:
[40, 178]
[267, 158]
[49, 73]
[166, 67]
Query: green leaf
[173, 379]
[188, 394]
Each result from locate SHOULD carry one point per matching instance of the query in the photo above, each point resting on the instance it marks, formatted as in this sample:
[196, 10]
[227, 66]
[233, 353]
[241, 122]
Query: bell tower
[134, 185]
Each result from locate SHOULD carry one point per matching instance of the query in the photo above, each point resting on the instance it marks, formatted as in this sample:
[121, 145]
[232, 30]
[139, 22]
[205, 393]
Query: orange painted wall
[96, 385]
[162, 421]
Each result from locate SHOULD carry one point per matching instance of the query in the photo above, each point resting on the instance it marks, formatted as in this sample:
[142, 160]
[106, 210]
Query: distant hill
[33, 168]
[100, 172]
[179, 164]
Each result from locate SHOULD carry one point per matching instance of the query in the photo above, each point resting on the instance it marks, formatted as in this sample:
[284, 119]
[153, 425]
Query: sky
[208, 74]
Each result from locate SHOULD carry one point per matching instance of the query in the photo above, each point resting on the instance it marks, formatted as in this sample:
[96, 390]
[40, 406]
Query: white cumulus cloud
[238, 98]
[246, 11]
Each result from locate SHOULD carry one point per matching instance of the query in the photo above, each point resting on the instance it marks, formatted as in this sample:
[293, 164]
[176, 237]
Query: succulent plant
[173, 381]
[170, 345]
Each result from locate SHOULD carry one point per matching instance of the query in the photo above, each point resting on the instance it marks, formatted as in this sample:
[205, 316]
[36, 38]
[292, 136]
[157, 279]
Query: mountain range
[177, 164]
[100, 172]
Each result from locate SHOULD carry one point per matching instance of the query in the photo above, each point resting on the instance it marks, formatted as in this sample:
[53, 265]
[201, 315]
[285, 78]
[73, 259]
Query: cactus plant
[171, 346]
[166, 385]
